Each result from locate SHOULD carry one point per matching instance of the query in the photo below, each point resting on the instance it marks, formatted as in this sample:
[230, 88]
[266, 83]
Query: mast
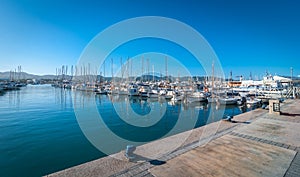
[166, 65]
[89, 73]
[153, 73]
[212, 79]
[112, 70]
[122, 69]
[76, 71]
[56, 73]
[142, 68]
[80, 73]
[84, 74]
[148, 68]
[62, 72]
[72, 72]
[66, 72]
[104, 69]
[130, 61]
[127, 69]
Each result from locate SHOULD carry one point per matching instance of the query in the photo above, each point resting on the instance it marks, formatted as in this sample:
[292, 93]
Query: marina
[149, 88]
[42, 109]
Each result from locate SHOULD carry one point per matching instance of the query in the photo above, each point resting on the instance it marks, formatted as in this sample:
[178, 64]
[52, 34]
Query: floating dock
[255, 143]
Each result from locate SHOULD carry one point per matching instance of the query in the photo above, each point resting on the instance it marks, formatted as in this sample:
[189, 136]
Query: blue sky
[247, 36]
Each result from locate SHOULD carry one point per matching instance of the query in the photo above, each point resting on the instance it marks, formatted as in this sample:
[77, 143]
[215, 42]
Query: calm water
[39, 132]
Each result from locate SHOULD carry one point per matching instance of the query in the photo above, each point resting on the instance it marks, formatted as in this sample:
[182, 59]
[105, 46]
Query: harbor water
[40, 134]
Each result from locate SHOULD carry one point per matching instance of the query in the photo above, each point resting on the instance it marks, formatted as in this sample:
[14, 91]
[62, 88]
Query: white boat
[196, 97]
[253, 102]
[115, 91]
[143, 90]
[133, 90]
[162, 92]
[123, 91]
[177, 98]
[228, 101]
[273, 92]
[153, 93]
[107, 88]
[101, 91]
[170, 94]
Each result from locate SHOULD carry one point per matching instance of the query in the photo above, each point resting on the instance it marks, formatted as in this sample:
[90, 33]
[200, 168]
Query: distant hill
[24, 75]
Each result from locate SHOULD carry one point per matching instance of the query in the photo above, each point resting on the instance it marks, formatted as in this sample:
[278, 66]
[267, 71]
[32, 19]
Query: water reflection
[142, 119]
[14, 99]
[36, 119]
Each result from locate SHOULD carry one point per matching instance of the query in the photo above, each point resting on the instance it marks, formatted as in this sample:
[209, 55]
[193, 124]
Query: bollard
[274, 107]
[129, 152]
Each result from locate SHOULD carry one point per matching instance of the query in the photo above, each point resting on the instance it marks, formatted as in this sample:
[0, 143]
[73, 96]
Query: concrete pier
[256, 143]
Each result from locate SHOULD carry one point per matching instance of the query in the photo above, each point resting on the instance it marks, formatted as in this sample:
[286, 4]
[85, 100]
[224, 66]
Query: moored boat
[196, 97]
[228, 101]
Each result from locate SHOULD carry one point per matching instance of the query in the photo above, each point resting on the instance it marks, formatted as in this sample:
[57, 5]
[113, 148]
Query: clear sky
[247, 35]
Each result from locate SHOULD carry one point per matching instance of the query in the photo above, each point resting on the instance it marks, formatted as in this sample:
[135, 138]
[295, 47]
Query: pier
[255, 143]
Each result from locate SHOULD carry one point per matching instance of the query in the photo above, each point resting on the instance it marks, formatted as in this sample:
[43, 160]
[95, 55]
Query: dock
[255, 143]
